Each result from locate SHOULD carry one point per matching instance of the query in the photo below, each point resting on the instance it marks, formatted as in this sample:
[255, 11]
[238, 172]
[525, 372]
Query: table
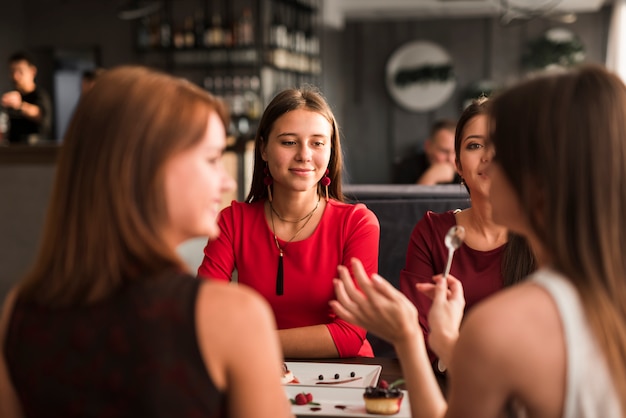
[391, 370]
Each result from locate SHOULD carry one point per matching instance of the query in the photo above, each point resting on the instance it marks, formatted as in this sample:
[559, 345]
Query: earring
[326, 182]
[268, 180]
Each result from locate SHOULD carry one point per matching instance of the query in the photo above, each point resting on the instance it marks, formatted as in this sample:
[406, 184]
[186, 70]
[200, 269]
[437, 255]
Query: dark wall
[376, 130]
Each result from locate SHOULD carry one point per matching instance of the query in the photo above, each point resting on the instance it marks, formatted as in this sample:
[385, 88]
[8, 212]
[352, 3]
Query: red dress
[246, 243]
[479, 271]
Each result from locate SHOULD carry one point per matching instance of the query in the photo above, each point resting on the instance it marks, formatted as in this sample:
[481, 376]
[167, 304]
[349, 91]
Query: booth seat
[399, 208]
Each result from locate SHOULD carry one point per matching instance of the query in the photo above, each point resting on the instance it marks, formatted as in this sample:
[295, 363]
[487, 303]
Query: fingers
[426, 288]
[343, 306]
[456, 289]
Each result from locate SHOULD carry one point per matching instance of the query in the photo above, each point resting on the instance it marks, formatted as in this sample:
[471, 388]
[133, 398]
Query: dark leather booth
[399, 208]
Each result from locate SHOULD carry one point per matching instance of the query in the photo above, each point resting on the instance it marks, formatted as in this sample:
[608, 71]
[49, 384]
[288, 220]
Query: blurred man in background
[436, 164]
[29, 107]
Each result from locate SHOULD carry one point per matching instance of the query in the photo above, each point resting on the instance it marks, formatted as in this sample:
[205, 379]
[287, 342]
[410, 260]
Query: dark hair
[107, 211]
[442, 124]
[21, 56]
[561, 142]
[308, 98]
[475, 108]
[92, 74]
[518, 260]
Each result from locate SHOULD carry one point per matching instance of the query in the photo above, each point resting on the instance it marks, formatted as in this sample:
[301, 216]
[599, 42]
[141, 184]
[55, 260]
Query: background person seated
[436, 164]
[28, 106]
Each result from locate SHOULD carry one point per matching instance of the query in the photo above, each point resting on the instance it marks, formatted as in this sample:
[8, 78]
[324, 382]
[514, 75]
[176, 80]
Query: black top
[21, 127]
[135, 354]
[409, 169]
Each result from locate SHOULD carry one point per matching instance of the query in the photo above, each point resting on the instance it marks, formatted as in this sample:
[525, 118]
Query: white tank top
[590, 392]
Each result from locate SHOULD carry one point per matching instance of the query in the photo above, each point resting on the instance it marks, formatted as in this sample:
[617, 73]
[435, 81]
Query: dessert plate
[338, 401]
[308, 374]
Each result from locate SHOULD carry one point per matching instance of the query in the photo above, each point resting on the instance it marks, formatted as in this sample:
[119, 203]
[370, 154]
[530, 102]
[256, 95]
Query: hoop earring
[326, 182]
[268, 181]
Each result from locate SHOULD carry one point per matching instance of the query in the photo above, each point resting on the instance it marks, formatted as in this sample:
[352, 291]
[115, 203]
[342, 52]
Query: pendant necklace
[281, 250]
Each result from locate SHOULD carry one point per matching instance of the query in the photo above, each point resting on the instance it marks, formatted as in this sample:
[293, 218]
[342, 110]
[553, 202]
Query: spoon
[453, 240]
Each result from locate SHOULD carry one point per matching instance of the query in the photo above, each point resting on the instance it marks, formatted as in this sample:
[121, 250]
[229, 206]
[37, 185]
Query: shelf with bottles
[280, 33]
[292, 41]
[199, 25]
[242, 94]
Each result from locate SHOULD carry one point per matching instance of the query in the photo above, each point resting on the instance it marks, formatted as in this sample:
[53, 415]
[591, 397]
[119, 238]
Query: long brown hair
[308, 98]
[107, 209]
[561, 142]
[518, 260]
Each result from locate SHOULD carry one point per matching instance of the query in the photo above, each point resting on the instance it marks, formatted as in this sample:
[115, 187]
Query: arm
[360, 232]
[437, 173]
[9, 402]
[419, 269]
[237, 339]
[387, 313]
[13, 100]
[219, 257]
[362, 240]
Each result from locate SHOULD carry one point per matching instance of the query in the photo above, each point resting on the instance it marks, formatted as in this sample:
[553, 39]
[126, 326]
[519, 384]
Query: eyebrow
[295, 134]
[473, 137]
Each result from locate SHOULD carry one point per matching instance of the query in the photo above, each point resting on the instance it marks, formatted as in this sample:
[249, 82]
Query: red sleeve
[362, 236]
[219, 255]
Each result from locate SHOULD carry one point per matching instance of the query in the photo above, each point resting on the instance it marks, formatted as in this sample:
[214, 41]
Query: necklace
[296, 221]
[281, 250]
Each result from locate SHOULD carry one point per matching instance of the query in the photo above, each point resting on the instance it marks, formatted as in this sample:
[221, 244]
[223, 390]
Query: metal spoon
[453, 240]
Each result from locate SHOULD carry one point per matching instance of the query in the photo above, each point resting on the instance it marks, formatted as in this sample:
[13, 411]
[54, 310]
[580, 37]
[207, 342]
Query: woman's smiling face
[298, 149]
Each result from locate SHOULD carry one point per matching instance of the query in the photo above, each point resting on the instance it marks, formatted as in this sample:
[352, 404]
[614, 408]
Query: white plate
[330, 397]
[308, 374]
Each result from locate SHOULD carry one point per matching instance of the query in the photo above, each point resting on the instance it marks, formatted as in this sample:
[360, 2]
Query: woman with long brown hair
[554, 345]
[490, 257]
[294, 228]
[108, 321]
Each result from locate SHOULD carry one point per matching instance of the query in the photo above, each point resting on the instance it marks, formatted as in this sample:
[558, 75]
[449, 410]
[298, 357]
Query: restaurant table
[390, 372]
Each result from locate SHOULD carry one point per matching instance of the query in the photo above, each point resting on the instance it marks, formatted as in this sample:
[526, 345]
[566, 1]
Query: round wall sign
[420, 76]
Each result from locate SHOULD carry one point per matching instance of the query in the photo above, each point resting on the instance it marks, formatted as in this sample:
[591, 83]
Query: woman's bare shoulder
[514, 341]
[239, 301]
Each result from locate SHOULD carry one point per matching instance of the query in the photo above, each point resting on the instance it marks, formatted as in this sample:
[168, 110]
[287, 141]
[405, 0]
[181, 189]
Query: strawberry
[301, 399]
[309, 397]
[382, 383]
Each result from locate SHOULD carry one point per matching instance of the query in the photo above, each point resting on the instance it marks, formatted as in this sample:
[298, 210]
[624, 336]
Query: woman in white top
[555, 345]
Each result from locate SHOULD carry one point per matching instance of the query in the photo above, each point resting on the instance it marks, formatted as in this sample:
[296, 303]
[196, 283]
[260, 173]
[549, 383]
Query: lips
[301, 170]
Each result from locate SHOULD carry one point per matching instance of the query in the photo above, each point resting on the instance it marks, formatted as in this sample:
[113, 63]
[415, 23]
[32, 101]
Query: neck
[26, 89]
[481, 221]
[294, 206]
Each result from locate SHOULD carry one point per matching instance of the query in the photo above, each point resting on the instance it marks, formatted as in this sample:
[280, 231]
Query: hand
[12, 99]
[445, 315]
[438, 173]
[377, 307]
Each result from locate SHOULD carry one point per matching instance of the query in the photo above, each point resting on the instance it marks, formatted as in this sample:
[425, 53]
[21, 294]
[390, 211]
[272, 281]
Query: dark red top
[134, 355]
[479, 271]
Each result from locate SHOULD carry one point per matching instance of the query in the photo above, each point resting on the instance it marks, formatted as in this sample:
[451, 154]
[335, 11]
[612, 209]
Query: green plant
[543, 52]
[424, 74]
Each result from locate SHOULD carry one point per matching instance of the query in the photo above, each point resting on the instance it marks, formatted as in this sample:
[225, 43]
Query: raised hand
[445, 315]
[378, 306]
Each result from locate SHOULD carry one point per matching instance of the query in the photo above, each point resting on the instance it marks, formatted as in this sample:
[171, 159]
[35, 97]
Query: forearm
[307, 342]
[31, 111]
[442, 343]
[424, 393]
